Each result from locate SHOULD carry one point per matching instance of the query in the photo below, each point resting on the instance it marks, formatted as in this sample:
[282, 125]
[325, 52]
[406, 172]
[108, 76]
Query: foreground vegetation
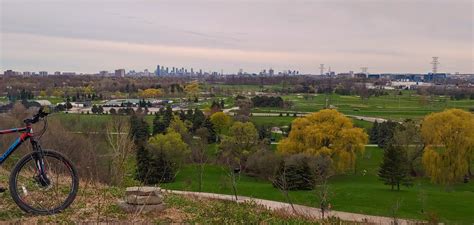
[97, 203]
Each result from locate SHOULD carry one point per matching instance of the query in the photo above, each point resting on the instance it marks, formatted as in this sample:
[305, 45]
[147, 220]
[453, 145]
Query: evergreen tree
[68, 103]
[393, 170]
[222, 104]
[100, 109]
[94, 109]
[295, 173]
[190, 115]
[139, 135]
[211, 138]
[382, 133]
[198, 119]
[182, 115]
[158, 125]
[168, 116]
[373, 136]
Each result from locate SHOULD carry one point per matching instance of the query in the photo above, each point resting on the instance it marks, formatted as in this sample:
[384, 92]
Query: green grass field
[351, 193]
[392, 106]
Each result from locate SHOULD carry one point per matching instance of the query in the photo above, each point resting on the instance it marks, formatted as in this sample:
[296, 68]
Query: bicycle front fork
[41, 177]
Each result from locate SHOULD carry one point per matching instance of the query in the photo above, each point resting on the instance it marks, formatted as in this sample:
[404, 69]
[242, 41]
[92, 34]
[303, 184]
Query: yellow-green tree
[150, 93]
[449, 140]
[241, 141]
[88, 90]
[43, 94]
[192, 89]
[181, 127]
[58, 93]
[221, 122]
[327, 133]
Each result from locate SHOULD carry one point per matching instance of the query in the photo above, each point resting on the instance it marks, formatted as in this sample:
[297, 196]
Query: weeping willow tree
[449, 140]
[326, 133]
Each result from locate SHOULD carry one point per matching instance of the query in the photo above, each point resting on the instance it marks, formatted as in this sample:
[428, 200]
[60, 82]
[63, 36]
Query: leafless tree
[121, 147]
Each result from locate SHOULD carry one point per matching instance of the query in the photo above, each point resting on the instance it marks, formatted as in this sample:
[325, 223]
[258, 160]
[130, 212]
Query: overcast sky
[93, 35]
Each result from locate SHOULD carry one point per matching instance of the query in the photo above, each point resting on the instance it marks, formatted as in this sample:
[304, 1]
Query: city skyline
[88, 36]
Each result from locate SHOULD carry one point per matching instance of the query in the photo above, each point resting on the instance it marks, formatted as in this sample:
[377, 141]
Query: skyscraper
[158, 70]
[120, 73]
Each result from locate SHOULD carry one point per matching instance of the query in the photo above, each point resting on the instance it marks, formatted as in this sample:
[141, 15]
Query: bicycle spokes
[44, 184]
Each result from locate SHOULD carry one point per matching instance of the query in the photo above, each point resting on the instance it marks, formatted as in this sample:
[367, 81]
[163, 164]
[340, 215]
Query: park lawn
[352, 193]
[392, 106]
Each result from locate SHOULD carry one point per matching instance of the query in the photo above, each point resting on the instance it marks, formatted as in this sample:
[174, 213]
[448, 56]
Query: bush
[263, 164]
[302, 172]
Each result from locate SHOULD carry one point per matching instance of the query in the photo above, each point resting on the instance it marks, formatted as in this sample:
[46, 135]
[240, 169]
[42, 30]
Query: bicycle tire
[30, 209]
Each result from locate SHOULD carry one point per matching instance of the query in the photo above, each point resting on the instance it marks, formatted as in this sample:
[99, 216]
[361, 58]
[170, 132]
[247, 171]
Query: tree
[43, 94]
[182, 128]
[244, 111]
[211, 138]
[167, 116]
[150, 93]
[68, 103]
[100, 110]
[449, 151]
[121, 145]
[198, 152]
[139, 135]
[112, 111]
[241, 141]
[192, 89]
[94, 109]
[159, 126]
[295, 173]
[382, 133]
[235, 148]
[166, 152]
[408, 137]
[197, 119]
[326, 133]
[393, 170]
[221, 122]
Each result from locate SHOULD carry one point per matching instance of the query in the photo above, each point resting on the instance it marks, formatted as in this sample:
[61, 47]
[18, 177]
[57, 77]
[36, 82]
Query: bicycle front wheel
[44, 193]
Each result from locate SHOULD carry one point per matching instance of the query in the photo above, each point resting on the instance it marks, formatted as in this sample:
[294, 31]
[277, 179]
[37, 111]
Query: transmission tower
[321, 67]
[435, 64]
[364, 69]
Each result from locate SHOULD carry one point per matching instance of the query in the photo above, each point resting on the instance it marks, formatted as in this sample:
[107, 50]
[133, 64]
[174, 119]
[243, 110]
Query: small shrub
[263, 163]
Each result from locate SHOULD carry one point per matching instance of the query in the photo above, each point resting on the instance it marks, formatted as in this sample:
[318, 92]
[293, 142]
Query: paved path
[300, 209]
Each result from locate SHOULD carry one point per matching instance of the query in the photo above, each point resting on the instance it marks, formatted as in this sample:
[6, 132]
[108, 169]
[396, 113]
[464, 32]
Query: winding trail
[300, 209]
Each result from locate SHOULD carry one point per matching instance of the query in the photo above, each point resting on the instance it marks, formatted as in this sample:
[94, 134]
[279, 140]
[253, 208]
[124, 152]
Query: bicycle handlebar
[35, 118]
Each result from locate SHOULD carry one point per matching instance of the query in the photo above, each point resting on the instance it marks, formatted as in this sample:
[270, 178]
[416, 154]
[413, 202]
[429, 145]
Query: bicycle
[42, 182]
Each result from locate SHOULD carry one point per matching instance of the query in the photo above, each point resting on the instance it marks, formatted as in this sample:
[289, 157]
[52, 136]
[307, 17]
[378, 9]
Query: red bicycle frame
[23, 137]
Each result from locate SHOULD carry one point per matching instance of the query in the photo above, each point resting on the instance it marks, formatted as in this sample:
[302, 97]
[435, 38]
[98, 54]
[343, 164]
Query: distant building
[146, 73]
[57, 73]
[9, 73]
[26, 73]
[69, 73]
[120, 73]
[158, 70]
[434, 77]
[104, 73]
[271, 72]
[43, 73]
[360, 75]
